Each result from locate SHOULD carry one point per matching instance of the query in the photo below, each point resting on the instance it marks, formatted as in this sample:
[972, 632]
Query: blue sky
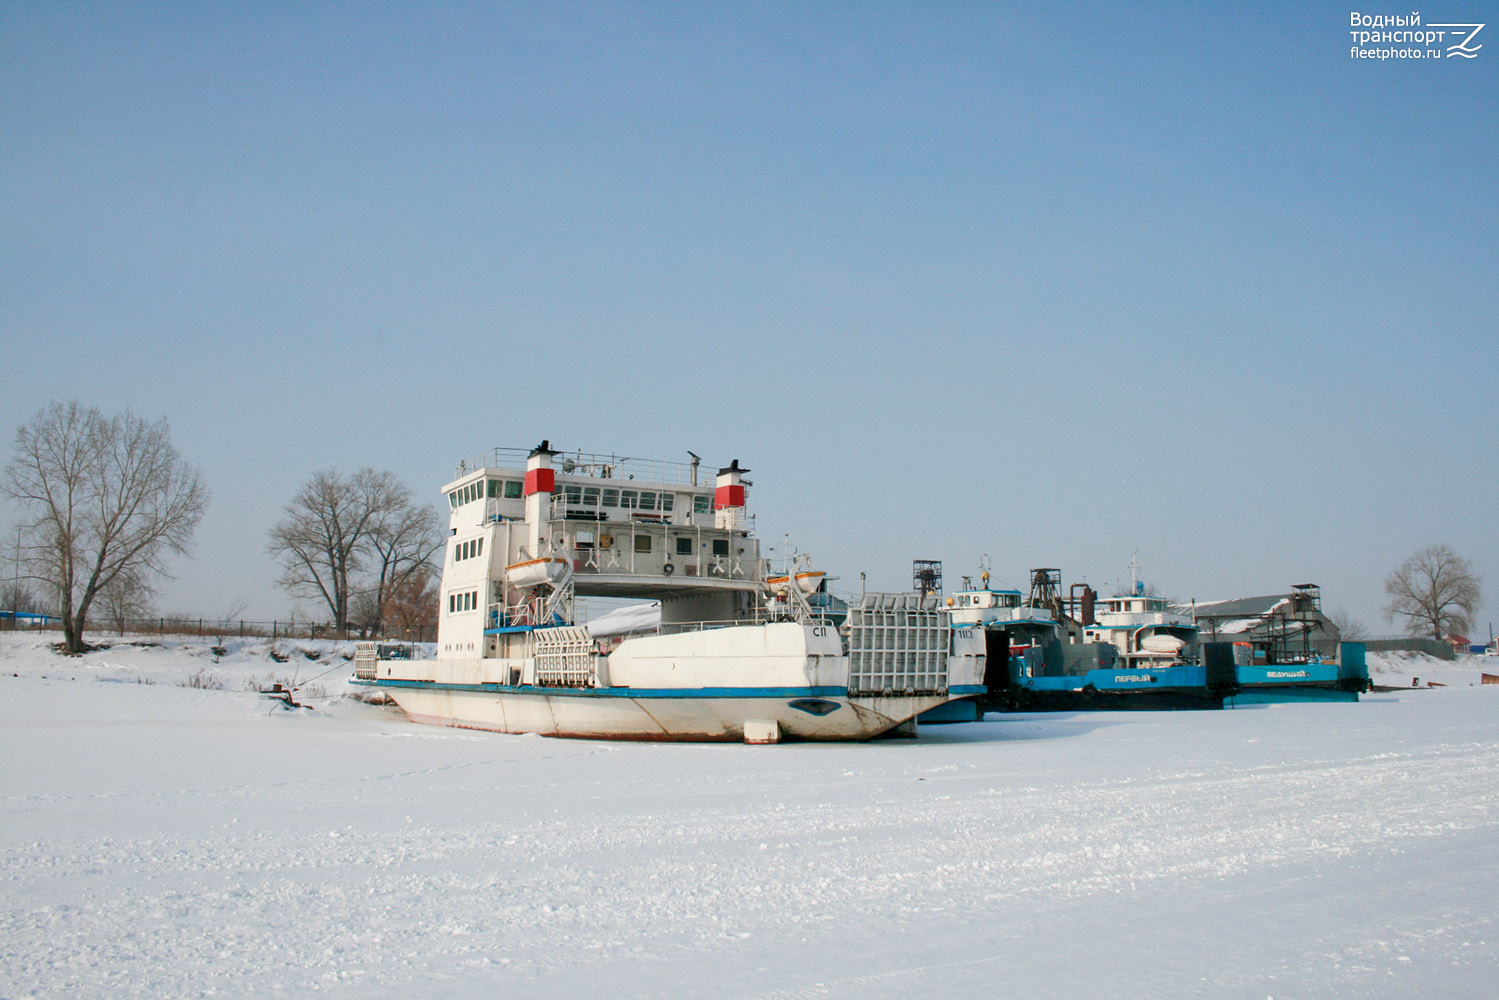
[1049, 282]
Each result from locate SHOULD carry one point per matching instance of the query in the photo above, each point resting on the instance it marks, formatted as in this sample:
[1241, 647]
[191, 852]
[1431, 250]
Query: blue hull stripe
[1119, 679]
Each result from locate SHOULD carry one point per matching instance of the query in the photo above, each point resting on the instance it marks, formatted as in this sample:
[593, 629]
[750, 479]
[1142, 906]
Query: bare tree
[1350, 629]
[103, 496]
[338, 527]
[364, 610]
[18, 593]
[17, 597]
[411, 606]
[403, 541]
[1436, 592]
[127, 596]
[227, 615]
[320, 539]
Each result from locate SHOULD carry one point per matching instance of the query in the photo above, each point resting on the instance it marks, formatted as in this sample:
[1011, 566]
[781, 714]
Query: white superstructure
[737, 651]
[1145, 631]
[997, 608]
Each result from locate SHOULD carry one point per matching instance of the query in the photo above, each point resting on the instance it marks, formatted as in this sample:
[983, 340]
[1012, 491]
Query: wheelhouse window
[702, 504]
[498, 488]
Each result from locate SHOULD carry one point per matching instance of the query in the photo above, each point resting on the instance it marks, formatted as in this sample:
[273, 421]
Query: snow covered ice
[168, 841]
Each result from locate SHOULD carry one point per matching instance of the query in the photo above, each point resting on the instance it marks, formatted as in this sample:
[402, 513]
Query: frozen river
[165, 841]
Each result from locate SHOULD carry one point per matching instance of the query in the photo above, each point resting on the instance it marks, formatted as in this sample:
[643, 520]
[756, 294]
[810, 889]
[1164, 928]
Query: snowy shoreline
[169, 840]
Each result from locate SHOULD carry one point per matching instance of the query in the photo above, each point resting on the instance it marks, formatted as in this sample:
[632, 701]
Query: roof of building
[1270, 615]
[1241, 607]
[30, 616]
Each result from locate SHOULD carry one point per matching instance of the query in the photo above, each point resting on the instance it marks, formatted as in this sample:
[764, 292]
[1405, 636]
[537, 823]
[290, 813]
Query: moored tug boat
[1019, 638]
[1159, 651]
[1135, 653]
[735, 657]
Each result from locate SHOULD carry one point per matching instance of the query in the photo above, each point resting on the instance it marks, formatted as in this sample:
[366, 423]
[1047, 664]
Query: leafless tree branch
[1436, 592]
[103, 497]
[347, 540]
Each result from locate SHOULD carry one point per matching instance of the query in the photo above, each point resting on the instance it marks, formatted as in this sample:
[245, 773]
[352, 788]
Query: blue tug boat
[1040, 657]
[1138, 651]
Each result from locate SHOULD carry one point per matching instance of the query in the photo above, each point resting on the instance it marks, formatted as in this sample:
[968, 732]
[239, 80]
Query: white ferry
[737, 656]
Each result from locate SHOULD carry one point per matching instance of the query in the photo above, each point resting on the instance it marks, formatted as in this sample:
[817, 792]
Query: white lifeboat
[1161, 644]
[807, 582]
[535, 572]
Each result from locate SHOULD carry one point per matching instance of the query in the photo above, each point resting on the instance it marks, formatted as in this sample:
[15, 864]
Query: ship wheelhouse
[1145, 630]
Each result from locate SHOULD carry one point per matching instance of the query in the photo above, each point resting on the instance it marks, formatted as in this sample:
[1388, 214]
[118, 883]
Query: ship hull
[1116, 689]
[1342, 680]
[716, 715]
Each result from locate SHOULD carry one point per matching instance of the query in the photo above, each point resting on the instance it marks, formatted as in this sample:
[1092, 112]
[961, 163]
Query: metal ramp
[564, 656]
[897, 644]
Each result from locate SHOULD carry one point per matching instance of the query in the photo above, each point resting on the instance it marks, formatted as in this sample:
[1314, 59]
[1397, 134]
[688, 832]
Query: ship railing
[600, 466]
[759, 616]
[610, 550]
[525, 613]
[566, 508]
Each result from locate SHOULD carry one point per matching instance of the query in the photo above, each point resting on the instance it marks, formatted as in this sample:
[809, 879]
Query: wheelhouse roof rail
[600, 466]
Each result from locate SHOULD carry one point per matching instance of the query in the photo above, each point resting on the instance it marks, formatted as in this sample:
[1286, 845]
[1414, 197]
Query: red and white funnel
[728, 497]
[540, 482]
